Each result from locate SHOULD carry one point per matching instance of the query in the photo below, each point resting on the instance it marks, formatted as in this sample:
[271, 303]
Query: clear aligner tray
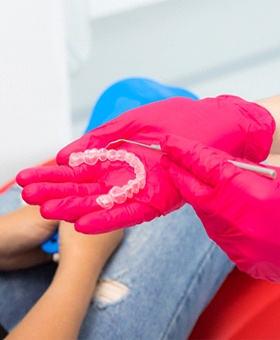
[116, 194]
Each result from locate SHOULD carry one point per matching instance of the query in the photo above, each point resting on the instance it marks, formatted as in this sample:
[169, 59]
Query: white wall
[209, 46]
[35, 118]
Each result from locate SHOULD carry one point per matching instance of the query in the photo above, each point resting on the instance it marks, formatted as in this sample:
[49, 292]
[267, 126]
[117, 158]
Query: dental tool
[151, 146]
[271, 173]
[255, 168]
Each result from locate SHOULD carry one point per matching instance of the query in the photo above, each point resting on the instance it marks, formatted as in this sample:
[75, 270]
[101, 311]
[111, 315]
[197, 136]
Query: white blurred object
[35, 119]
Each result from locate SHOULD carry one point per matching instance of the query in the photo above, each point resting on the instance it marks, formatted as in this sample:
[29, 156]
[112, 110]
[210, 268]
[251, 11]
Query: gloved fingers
[208, 164]
[58, 174]
[37, 174]
[37, 194]
[69, 208]
[53, 174]
[120, 216]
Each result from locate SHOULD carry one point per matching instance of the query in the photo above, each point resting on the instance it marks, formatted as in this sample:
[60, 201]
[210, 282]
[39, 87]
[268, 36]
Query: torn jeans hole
[109, 292]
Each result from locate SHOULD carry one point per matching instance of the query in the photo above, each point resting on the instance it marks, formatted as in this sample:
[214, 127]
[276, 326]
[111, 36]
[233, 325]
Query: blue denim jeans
[171, 270]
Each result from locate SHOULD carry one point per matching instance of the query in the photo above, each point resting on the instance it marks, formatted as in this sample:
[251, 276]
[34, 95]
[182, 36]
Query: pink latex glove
[238, 208]
[226, 122]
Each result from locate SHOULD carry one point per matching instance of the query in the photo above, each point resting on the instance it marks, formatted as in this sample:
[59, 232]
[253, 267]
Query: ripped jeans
[168, 270]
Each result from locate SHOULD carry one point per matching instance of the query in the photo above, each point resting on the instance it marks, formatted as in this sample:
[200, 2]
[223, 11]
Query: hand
[22, 233]
[238, 208]
[226, 122]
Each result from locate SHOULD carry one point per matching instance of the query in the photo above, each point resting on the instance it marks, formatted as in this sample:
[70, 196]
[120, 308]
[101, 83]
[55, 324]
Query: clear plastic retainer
[116, 194]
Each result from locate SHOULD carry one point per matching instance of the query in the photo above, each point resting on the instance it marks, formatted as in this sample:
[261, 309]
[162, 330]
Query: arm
[60, 311]
[272, 104]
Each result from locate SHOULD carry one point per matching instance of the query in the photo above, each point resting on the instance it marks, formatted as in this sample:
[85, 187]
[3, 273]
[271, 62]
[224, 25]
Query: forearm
[60, 311]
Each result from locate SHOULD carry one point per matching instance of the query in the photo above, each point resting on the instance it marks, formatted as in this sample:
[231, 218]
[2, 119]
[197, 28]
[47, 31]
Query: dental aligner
[116, 194]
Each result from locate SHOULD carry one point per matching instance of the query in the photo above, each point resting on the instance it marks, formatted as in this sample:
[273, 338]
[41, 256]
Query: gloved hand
[226, 122]
[238, 208]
